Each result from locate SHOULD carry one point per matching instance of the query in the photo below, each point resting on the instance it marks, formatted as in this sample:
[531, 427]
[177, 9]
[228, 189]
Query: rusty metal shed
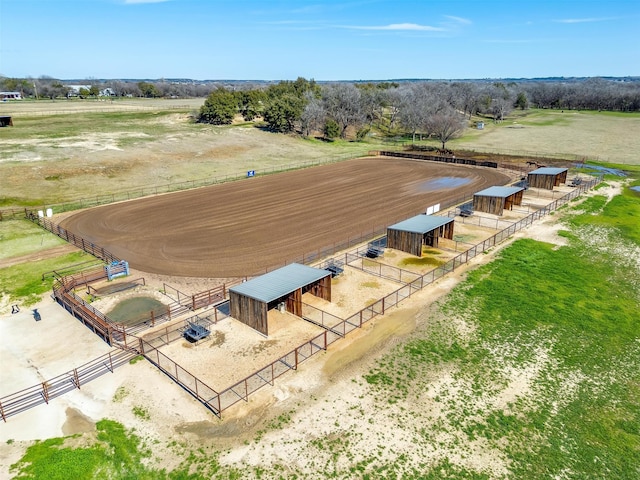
[497, 199]
[283, 288]
[547, 177]
[409, 235]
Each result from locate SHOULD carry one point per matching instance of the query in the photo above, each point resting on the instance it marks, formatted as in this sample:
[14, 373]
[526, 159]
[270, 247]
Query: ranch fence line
[89, 247]
[117, 333]
[436, 158]
[573, 157]
[54, 387]
[218, 402]
[105, 199]
[107, 109]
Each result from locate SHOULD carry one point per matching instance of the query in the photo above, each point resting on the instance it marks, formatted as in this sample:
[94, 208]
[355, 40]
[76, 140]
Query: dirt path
[39, 255]
[244, 228]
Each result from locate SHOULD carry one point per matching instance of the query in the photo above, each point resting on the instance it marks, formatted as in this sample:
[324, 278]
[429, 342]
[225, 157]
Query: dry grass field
[606, 137]
[61, 151]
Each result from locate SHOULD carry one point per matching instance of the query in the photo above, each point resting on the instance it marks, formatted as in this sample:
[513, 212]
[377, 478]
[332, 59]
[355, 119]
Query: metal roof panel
[548, 171]
[421, 223]
[498, 191]
[279, 283]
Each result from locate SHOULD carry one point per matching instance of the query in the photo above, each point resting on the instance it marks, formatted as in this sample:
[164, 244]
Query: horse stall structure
[409, 235]
[547, 177]
[250, 301]
[497, 199]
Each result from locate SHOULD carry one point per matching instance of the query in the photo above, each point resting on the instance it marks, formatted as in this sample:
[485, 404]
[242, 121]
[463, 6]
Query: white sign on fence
[436, 208]
[49, 212]
[429, 210]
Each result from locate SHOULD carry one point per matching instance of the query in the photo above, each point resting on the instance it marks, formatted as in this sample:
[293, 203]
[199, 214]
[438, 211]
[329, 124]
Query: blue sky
[324, 40]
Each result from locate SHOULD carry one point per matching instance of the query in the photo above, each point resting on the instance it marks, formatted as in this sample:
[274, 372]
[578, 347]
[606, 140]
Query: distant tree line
[51, 88]
[436, 109]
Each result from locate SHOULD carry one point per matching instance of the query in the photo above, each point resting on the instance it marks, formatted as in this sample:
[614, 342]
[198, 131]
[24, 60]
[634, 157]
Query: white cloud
[132, 2]
[585, 20]
[398, 27]
[464, 21]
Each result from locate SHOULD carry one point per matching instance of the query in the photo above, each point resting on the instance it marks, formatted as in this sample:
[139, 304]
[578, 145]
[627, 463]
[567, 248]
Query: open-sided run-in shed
[250, 301]
[409, 235]
[547, 177]
[497, 199]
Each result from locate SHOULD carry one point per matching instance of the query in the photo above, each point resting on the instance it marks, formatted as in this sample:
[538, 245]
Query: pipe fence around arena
[334, 327]
[105, 199]
[87, 202]
[217, 402]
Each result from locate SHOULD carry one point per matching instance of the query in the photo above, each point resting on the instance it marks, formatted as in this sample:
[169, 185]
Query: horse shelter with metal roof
[283, 288]
[497, 199]
[547, 177]
[409, 235]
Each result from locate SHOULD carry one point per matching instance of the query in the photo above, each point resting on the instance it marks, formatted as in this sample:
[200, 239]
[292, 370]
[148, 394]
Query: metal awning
[279, 283]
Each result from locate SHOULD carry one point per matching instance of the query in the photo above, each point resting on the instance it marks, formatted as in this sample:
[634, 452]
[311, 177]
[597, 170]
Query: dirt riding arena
[245, 228]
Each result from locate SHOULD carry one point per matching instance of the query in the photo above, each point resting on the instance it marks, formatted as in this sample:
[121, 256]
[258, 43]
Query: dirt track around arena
[243, 228]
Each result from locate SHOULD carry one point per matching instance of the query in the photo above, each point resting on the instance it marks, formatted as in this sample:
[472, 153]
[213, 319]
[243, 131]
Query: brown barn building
[250, 301]
[547, 177]
[497, 199]
[409, 235]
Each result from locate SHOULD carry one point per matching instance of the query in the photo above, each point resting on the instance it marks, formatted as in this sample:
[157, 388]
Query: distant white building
[108, 92]
[74, 90]
[4, 96]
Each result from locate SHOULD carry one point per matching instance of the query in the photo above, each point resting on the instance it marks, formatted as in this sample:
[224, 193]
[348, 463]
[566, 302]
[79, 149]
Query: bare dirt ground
[244, 228]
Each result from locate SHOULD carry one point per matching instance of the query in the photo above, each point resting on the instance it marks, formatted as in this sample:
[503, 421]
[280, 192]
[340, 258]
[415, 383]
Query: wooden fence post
[45, 392]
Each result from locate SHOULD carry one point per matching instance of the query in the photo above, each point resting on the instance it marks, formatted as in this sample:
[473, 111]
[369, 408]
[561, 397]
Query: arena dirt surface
[245, 228]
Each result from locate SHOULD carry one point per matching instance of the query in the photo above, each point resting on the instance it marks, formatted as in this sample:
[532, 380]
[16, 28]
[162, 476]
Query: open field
[607, 137]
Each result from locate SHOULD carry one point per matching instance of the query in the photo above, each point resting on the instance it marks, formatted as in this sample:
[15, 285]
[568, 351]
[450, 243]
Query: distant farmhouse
[74, 90]
[4, 96]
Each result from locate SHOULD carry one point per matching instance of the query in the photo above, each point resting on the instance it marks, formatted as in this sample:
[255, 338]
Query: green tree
[521, 101]
[148, 90]
[331, 129]
[219, 108]
[282, 113]
[251, 103]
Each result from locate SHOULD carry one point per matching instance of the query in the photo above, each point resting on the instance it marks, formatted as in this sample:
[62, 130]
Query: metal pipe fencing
[218, 402]
[54, 387]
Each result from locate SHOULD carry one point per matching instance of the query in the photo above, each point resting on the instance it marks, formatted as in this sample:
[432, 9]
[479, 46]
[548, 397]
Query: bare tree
[313, 115]
[415, 105]
[446, 124]
[342, 104]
